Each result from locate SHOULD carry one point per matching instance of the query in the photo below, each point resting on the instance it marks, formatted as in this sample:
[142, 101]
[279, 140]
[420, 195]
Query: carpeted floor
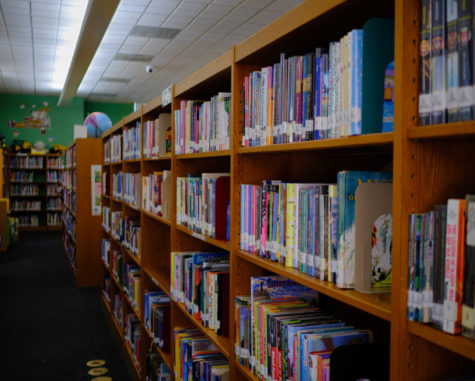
[49, 329]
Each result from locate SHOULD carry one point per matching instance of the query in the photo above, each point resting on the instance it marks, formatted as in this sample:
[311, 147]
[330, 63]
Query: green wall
[17, 107]
[115, 111]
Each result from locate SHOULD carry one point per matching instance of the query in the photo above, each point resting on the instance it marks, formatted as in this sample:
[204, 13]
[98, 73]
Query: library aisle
[50, 329]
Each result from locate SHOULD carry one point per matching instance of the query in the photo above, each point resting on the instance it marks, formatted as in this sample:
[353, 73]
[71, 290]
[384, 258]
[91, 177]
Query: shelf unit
[429, 165]
[47, 177]
[81, 229]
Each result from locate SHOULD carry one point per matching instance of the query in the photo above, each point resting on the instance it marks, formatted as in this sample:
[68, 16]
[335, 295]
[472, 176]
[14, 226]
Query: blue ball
[96, 123]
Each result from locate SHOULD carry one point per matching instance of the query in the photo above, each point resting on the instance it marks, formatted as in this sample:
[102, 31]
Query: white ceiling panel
[38, 33]
[177, 22]
[152, 19]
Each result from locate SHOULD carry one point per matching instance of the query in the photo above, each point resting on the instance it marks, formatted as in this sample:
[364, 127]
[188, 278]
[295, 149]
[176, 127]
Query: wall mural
[36, 118]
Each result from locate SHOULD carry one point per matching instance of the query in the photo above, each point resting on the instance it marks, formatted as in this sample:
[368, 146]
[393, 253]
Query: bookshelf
[32, 184]
[429, 165]
[81, 228]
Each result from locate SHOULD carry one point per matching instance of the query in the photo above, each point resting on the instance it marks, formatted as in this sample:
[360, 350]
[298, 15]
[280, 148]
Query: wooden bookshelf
[40, 178]
[429, 165]
[81, 154]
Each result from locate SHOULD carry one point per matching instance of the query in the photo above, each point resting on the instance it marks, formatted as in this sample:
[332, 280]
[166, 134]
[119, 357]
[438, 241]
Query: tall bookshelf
[81, 228]
[33, 188]
[429, 165]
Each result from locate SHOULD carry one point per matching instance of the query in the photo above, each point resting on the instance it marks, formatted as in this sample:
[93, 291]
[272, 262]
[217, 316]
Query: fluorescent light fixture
[65, 49]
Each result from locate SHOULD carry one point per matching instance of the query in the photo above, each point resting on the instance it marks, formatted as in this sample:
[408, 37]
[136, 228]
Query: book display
[260, 257]
[32, 183]
[81, 213]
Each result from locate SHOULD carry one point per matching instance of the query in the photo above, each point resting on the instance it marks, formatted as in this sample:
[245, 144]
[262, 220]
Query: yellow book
[290, 229]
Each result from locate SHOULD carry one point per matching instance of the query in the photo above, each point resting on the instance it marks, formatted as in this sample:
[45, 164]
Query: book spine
[452, 62]
[468, 300]
[438, 65]
[454, 266]
[466, 69]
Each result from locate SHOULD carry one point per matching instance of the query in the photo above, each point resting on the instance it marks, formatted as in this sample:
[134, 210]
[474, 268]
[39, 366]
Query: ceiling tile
[177, 22]
[152, 19]
[189, 9]
[201, 24]
[217, 11]
[154, 46]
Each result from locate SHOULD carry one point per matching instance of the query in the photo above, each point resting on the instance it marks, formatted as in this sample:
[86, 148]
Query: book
[454, 262]
[468, 299]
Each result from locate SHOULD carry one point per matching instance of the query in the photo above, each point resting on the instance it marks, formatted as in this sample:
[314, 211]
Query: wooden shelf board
[375, 304]
[223, 343]
[136, 259]
[28, 211]
[116, 200]
[457, 344]
[442, 131]
[107, 231]
[105, 264]
[106, 302]
[116, 162]
[135, 309]
[159, 280]
[225, 245]
[113, 276]
[106, 196]
[128, 205]
[204, 73]
[203, 155]
[167, 358]
[132, 358]
[131, 161]
[132, 117]
[116, 240]
[369, 140]
[153, 104]
[246, 372]
[157, 218]
[157, 158]
[30, 182]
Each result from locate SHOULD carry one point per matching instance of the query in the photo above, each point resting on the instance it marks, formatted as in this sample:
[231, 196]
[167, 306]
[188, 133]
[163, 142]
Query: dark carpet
[49, 329]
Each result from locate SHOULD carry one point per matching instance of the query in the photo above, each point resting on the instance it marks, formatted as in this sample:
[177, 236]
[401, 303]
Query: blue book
[311, 234]
[356, 79]
[348, 181]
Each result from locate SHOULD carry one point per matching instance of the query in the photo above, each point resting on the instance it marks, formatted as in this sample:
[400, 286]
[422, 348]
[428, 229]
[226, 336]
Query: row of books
[202, 203]
[156, 369]
[132, 142]
[70, 157]
[130, 189]
[157, 317]
[70, 223]
[28, 220]
[200, 280]
[132, 283]
[106, 251]
[25, 190]
[282, 335]
[131, 239]
[68, 179]
[69, 199]
[117, 184]
[157, 136]
[53, 190]
[196, 357]
[17, 205]
[447, 68]
[54, 162]
[107, 151]
[70, 248]
[202, 126]
[117, 260]
[106, 287]
[156, 193]
[53, 219]
[132, 337]
[315, 96]
[106, 218]
[115, 148]
[106, 183]
[54, 203]
[117, 225]
[26, 176]
[441, 268]
[307, 226]
[52, 176]
[30, 162]
[117, 308]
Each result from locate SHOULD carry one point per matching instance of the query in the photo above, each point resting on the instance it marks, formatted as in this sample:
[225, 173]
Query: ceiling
[175, 37]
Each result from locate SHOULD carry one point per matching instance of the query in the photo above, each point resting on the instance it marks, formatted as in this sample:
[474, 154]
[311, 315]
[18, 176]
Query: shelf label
[167, 96]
